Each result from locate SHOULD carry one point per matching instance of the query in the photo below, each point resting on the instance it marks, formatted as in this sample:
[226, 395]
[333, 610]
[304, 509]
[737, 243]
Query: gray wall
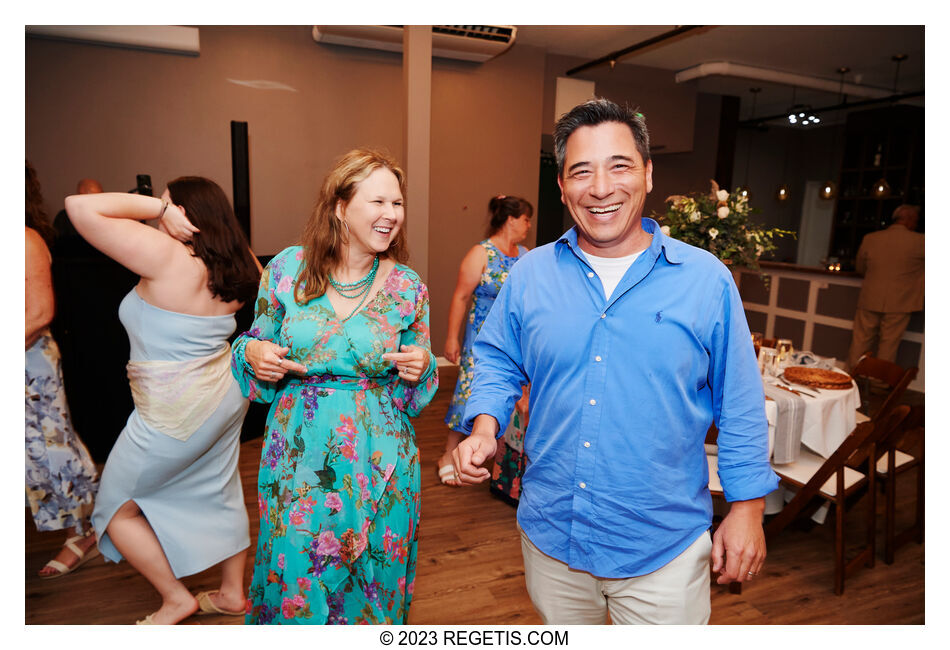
[110, 113]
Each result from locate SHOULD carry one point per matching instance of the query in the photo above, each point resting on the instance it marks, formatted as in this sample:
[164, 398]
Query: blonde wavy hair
[325, 237]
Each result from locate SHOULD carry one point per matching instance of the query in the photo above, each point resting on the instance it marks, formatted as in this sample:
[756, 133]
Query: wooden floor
[470, 569]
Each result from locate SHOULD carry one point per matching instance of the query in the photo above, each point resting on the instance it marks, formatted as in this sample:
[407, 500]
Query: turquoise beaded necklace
[357, 289]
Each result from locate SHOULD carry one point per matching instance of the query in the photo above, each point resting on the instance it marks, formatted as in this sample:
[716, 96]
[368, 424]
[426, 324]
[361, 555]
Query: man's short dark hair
[594, 112]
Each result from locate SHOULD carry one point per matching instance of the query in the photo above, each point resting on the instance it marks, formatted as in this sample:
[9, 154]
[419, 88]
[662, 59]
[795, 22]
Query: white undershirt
[610, 270]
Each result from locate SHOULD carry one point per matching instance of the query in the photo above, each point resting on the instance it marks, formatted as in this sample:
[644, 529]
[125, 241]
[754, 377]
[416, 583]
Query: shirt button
[583, 485]
[587, 444]
[590, 274]
[603, 315]
[597, 358]
[593, 402]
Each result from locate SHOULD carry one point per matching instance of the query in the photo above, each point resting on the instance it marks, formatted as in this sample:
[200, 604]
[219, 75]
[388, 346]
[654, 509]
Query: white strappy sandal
[61, 569]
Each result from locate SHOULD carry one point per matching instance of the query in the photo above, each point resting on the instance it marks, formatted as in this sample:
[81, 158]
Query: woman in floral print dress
[61, 479]
[340, 346]
[482, 273]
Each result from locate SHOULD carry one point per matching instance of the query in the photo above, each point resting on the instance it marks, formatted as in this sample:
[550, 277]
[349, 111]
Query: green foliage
[719, 223]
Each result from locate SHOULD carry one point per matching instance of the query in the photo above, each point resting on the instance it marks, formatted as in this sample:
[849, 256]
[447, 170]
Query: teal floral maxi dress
[339, 483]
[509, 461]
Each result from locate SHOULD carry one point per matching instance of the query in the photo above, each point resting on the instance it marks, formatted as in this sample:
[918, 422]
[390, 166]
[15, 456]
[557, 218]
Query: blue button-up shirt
[622, 394]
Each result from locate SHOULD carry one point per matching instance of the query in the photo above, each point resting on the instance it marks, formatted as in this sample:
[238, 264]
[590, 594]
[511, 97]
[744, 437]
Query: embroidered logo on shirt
[659, 316]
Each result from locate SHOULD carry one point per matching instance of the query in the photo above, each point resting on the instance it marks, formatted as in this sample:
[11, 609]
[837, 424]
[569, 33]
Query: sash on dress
[176, 397]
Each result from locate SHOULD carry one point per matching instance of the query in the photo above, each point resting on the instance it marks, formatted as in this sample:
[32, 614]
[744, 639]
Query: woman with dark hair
[61, 478]
[340, 346]
[170, 500]
[482, 273]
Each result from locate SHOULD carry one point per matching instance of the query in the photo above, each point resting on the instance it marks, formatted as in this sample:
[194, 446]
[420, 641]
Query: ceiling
[814, 51]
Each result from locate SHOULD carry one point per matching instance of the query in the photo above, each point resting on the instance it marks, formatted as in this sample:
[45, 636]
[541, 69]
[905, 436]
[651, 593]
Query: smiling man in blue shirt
[633, 343]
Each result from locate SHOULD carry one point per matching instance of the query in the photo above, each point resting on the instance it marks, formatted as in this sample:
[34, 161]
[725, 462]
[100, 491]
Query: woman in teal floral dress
[340, 346]
[482, 273]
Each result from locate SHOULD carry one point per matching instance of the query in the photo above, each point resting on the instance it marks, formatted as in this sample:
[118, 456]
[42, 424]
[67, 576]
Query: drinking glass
[768, 360]
[784, 349]
[757, 342]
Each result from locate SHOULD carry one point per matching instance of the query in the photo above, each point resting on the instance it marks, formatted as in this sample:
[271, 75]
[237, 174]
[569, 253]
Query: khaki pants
[677, 593]
[878, 333]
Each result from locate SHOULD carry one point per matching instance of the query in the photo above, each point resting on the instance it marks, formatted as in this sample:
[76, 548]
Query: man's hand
[741, 539]
[475, 450]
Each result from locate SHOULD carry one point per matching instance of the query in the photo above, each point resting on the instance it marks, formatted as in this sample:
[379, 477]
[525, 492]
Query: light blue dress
[190, 491]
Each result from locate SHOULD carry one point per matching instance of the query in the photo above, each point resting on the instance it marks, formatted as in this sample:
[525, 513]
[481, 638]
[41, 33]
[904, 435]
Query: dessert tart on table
[817, 378]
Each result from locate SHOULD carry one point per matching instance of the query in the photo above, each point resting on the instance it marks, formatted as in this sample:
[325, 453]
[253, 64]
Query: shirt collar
[661, 243]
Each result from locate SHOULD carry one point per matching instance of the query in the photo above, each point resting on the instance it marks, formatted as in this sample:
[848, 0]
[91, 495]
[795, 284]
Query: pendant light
[743, 190]
[829, 189]
[881, 188]
[781, 192]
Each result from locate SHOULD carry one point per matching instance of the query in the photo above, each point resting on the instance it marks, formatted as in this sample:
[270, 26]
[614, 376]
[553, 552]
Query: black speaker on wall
[240, 173]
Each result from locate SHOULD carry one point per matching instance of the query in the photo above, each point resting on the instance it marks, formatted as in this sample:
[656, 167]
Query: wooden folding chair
[837, 481]
[896, 378]
[895, 461]
[892, 460]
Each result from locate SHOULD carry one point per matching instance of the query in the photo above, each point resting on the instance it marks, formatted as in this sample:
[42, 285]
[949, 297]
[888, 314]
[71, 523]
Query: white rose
[695, 216]
[722, 195]
[665, 230]
[759, 249]
[713, 233]
[723, 212]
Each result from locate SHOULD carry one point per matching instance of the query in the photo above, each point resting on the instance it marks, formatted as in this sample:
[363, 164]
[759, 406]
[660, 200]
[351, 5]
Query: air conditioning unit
[466, 42]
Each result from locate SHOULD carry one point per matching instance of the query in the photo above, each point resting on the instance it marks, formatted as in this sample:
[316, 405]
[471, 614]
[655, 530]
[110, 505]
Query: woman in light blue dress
[482, 273]
[170, 500]
[340, 348]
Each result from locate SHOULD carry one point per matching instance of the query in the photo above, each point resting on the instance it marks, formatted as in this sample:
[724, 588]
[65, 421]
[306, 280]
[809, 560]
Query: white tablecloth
[829, 418]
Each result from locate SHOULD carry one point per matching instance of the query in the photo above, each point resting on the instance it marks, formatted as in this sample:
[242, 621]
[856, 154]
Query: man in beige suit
[892, 262]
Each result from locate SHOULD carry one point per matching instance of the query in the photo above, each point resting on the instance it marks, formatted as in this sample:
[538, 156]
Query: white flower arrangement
[719, 222]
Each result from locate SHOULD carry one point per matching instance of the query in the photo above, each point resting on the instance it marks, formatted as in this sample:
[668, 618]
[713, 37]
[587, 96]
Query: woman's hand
[268, 363]
[177, 224]
[411, 361]
[522, 407]
[452, 349]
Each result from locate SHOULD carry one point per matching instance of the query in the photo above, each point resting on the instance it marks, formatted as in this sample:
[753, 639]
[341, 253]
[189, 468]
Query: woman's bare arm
[40, 304]
[470, 273]
[110, 221]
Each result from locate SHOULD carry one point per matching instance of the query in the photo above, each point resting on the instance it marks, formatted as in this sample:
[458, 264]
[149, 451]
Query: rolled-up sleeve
[499, 366]
[738, 404]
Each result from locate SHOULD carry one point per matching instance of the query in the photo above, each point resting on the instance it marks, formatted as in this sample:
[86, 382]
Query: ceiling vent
[466, 42]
